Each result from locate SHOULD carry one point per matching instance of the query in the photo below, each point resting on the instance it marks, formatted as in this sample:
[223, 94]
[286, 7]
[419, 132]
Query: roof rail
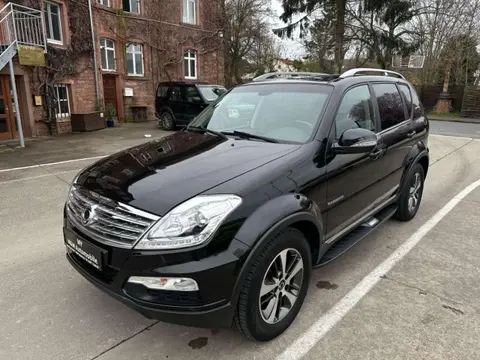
[381, 72]
[276, 75]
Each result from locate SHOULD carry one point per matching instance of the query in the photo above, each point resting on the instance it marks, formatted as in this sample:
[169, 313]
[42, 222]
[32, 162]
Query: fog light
[165, 283]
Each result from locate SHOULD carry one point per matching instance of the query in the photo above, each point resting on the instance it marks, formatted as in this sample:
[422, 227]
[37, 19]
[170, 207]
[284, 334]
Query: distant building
[278, 65]
[138, 43]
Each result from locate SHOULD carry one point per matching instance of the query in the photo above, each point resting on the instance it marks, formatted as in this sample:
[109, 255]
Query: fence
[429, 96]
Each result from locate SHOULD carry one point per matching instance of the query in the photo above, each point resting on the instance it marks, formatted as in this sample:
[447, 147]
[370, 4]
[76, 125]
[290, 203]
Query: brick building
[138, 43]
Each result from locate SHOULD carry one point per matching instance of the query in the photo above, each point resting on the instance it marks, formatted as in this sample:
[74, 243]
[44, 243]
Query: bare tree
[247, 37]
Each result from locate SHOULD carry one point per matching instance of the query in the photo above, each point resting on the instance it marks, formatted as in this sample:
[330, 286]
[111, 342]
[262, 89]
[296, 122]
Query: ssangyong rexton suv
[222, 222]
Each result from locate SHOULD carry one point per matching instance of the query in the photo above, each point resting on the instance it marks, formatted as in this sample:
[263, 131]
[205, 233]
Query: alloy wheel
[414, 193]
[281, 286]
[166, 120]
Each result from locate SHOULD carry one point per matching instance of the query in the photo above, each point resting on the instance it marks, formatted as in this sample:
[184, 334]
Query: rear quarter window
[162, 91]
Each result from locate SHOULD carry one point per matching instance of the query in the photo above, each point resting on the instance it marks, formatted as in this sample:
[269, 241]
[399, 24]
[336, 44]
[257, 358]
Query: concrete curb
[459, 120]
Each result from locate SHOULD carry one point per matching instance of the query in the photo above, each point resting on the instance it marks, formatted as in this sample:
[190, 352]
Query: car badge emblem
[88, 216]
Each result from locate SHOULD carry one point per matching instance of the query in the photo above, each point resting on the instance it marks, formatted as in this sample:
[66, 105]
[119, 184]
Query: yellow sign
[31, 55]
[38, 100]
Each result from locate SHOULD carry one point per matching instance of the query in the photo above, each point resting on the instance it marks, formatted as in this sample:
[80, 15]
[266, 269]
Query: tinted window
[356, 111]
[418, 110]
[407, 97]
[390, 105]
[162, 91]
[193, 95]
[176, 93]
[211, 93]
[286, 112]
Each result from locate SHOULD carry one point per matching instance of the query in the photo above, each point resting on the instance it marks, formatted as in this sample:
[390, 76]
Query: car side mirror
[356, 141]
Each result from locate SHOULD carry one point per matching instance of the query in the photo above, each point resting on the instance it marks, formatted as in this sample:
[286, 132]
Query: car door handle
[411, 134]
[375, 154]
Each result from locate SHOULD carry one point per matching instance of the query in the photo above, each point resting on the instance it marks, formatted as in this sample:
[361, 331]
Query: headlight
[190, 223]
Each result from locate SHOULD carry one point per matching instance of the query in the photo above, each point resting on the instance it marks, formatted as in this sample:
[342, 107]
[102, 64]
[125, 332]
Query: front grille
[109, 222]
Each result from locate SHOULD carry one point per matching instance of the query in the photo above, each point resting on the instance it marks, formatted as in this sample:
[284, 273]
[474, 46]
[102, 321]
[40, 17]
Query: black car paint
[281, 185]
[182, 110]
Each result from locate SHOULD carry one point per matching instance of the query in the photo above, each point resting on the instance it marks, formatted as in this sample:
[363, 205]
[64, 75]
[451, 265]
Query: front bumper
[216, 274]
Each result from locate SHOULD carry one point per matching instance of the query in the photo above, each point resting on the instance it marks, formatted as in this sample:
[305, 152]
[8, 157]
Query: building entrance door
[8, 126]
[110, 90]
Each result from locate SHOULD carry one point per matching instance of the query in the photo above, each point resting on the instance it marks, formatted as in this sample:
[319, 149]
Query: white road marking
[51, 164]
[323, 325]
[36, 177]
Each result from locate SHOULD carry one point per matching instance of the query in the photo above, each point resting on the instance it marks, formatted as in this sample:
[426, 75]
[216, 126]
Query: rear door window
[390, 105]
[175, 93]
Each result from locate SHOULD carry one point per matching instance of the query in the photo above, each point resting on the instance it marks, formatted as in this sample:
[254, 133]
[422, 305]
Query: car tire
[167, 121]
[254, 316]
[411, 196]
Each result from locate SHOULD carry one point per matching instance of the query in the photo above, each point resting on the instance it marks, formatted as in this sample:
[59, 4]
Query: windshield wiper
[245, 135]
[205, 130]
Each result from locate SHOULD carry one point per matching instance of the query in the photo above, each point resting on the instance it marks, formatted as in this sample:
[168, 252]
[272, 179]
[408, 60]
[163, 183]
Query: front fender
[271, 217]
[277, 213]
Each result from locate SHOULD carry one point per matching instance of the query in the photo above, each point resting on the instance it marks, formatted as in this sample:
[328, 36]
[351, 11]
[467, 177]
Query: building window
[63, 101]
[132, 6]
[190, 64]
[135, 60]
[107, 51]
[104, 2]
[189, 11]
[53, 22]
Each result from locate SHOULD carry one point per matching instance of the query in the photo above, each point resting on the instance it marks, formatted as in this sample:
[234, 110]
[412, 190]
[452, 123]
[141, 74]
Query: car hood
[158, 175]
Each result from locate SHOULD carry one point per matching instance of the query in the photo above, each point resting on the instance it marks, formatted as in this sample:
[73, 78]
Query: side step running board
[357, 234]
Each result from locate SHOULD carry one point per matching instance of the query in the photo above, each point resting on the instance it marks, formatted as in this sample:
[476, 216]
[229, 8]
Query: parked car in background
[177, 103]
[221, 223]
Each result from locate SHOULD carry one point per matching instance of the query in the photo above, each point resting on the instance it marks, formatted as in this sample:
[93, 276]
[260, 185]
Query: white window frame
[186, 12]
[104, 2]
[48, 22]
[188, 56]
[135, 52]
[133, 12]
[106, 49]
[57, 97]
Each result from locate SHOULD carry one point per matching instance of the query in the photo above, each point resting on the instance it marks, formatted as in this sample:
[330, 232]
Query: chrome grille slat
[103, 219]
[102, 207]
[113, 224]
[109, 231]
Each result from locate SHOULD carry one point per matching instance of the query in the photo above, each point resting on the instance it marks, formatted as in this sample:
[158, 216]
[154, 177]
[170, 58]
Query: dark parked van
[177, 103]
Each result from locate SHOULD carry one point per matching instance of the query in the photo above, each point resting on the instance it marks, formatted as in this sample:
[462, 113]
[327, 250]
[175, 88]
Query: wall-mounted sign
[31, 55]
[128, 92]
[38, 100]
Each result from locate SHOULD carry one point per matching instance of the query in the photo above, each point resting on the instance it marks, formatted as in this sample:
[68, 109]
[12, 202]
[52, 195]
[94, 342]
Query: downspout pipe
[95, 65]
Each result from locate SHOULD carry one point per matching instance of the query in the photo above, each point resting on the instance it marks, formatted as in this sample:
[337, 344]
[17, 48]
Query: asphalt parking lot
[424, 307]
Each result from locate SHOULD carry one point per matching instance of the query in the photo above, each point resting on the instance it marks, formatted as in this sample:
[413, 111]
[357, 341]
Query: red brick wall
[165, 38]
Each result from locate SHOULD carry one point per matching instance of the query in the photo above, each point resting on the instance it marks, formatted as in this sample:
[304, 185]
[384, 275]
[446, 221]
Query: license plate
[90, 253]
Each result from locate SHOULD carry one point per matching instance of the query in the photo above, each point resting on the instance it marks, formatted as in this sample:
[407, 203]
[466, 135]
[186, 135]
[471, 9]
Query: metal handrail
[22, 25]
[381, 72]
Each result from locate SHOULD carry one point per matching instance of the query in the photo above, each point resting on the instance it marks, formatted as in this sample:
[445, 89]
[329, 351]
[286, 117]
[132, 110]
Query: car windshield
[211, 92]
[283, 112]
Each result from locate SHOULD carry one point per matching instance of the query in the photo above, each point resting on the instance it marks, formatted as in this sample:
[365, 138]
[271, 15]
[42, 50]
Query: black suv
[221, 223]
[177, 103]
